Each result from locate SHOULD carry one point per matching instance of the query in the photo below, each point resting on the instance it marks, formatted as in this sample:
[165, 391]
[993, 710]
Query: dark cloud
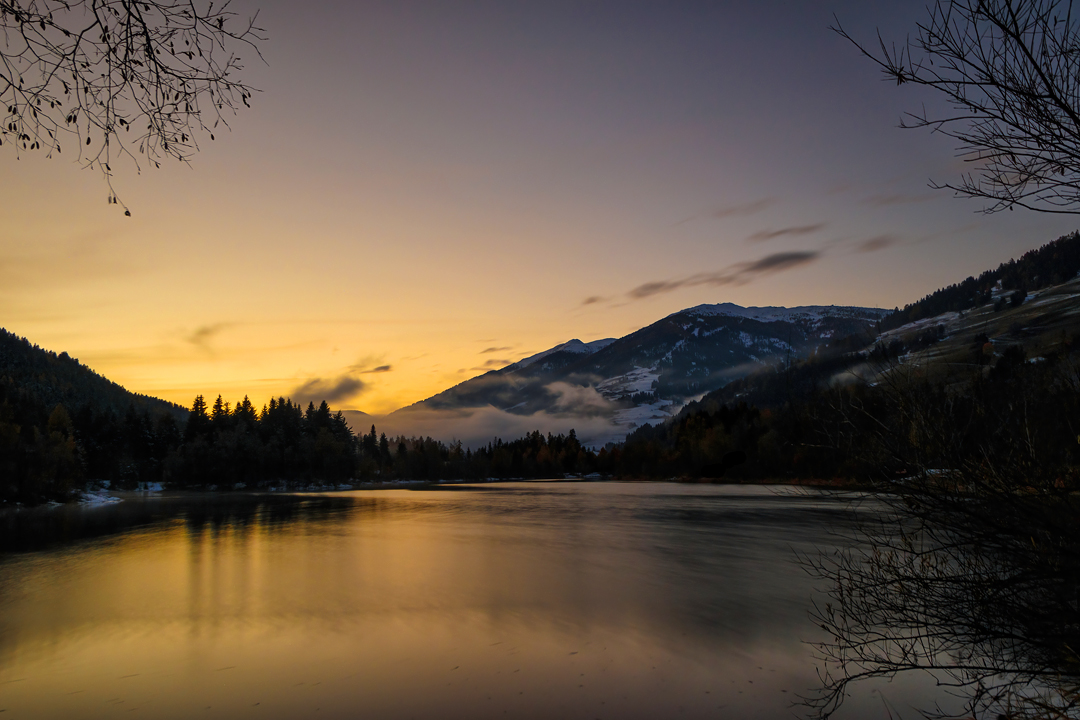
[592, 299]
[332, 390]
[379, 369]
[763, 235]
[657, 288]
[497, 363]
[371, 364]
[738, 274]
[494, 349]
[202, 335]
[878, 242]
[777, 262]
[749, 208]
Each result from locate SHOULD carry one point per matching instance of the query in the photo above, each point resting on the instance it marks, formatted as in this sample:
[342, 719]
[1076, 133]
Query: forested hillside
[1051, 264]
[986, 379]
[1008, 412]
[53, 379]
[816, 418]
[62, 425]
[61, 422]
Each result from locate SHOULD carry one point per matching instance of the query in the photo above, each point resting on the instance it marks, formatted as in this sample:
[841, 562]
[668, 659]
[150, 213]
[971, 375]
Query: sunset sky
[423, 191]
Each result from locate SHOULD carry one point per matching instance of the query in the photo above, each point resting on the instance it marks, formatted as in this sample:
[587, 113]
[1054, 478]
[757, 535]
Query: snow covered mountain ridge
[575, 347]
[774, 314]
[613, 385]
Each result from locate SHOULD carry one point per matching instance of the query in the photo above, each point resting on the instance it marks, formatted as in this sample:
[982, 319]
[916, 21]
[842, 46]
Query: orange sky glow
[426, 191]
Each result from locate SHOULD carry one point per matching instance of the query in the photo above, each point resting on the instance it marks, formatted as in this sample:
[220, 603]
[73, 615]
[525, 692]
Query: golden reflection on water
[527, 600]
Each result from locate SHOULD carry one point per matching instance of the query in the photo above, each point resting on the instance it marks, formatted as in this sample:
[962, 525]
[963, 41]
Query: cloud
[777, 262]
[578, 400]
[371, 364]
[332, 390]
[593, 299]
[656, 288]
[749, 208]
[763, 235]
[878, 242]
[379, 369]
[203, 334]
[476, 427]
[738, 274]
[495, 349]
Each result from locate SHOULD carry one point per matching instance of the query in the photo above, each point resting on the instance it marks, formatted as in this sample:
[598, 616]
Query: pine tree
[198, 422]
[219, 416]
[384, 451]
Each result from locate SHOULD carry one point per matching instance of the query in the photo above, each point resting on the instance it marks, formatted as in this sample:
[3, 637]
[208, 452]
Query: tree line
[1051, 264]
[46, 453]
[792, 425]
[802, 424]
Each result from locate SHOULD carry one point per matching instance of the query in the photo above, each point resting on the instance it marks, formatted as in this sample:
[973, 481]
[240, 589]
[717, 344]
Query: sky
[424, 191]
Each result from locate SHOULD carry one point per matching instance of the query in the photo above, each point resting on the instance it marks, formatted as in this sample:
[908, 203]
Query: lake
[505, 600]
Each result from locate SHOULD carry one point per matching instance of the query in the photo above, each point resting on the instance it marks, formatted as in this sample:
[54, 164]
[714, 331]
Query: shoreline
[101, 495]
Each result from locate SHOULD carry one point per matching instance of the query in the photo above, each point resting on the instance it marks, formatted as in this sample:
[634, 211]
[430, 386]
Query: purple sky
[432, 189]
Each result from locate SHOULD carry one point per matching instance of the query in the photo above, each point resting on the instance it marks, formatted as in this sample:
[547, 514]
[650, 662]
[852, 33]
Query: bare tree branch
[119, 77]
[966, 562]
[1010, 69]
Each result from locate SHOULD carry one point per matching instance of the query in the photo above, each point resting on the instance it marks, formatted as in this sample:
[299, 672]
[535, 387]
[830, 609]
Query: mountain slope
[650, 373]
[952, 348]
[1052, 264]
[57, 379]
[61, 422]
[970, 389]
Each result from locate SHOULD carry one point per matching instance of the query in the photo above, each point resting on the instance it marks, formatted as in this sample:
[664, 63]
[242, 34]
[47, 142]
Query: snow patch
[637, 416]
[949, 320]
[637, 380]
[674, 347]
[97, 497]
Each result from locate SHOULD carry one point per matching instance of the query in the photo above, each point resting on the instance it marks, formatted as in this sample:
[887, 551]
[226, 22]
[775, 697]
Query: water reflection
[515, 600]
[42, 528]
[990, 614]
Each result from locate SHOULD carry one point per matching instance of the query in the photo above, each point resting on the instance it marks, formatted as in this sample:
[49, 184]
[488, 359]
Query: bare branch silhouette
[106, 78]
[966, 562]
[1010, 69]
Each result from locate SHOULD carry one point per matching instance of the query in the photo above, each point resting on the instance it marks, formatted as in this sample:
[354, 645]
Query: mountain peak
[574, 346]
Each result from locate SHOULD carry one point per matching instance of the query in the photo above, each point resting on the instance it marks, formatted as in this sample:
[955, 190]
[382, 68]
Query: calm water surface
[521, 600]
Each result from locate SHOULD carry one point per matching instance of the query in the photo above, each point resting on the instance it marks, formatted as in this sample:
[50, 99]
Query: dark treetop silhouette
[113, 77]
[1009, 71]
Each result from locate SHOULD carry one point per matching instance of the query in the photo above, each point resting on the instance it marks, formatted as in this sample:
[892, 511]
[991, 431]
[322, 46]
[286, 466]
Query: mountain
[52, 379]
[997, 319]
[649, 374]
[989, 388]
[573, 347]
